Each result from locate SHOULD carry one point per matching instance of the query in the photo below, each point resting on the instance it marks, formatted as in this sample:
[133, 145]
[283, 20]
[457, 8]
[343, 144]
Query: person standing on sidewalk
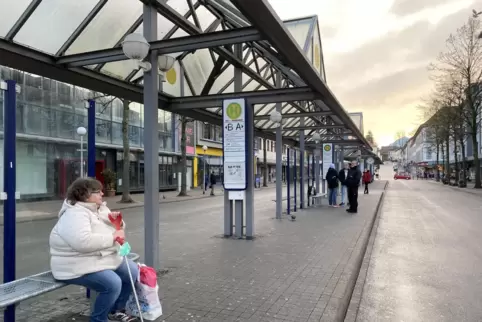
[367, 179]
[342, 175]
[352, 184]
[332, 180]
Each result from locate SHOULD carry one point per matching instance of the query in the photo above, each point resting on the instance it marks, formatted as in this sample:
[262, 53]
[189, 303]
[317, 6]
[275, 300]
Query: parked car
[402, 176]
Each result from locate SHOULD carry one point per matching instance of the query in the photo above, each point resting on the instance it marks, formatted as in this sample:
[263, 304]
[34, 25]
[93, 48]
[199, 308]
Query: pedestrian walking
[212, 182]
[367, 179]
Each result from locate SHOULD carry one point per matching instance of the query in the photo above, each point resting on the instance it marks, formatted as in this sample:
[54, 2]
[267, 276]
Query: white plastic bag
[148, 300]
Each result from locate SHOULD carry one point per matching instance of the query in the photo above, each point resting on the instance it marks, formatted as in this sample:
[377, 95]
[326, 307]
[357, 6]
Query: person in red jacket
[367, 178]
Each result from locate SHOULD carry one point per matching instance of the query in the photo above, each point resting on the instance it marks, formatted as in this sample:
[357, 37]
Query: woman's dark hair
[81, 189]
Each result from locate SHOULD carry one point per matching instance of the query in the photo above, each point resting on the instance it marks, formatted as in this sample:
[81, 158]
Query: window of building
[212, 132]
[428, 153]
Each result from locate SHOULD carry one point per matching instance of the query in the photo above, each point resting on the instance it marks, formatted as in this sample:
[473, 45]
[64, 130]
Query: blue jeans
[113, 288]
[332, 196]
[343, 193]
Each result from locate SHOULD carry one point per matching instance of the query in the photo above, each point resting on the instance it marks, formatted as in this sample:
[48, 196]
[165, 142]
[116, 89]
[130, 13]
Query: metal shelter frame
[268, 48]
[243, 39]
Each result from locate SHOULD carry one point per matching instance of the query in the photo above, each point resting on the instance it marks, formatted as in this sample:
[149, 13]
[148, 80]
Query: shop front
[207, 162]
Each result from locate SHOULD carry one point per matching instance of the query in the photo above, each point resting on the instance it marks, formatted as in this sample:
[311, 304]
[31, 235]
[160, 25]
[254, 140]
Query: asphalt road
[426, 263]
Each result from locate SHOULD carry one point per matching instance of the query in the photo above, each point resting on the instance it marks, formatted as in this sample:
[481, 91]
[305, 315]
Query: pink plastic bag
[148, 276]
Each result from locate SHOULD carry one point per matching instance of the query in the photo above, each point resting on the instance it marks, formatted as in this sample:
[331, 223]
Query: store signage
[327, 157]
[234, 144]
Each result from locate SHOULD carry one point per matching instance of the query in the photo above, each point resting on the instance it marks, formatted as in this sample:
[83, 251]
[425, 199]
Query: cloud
[408, 7]
[399, 88]
[415, 45]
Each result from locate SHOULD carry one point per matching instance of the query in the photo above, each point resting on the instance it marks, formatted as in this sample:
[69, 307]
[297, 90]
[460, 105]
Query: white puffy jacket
[82, 241]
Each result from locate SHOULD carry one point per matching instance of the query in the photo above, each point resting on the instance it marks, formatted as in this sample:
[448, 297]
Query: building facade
[48, 147]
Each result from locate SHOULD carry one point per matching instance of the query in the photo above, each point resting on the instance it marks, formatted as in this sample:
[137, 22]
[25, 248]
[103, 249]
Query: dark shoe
[121, 317]
[342, 204]
[351, 211]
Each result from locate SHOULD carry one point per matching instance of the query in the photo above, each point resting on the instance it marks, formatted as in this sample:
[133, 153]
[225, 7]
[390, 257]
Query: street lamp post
[81, 131]
[204, 168]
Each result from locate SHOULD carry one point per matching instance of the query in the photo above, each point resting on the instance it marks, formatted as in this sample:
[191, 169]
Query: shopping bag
[148, 296]
[148, 275]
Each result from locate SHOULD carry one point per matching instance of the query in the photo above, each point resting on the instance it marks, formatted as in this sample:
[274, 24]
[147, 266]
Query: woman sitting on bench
[83, 251]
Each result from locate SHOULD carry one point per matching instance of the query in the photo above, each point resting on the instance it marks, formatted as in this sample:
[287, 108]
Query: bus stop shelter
[225, 49]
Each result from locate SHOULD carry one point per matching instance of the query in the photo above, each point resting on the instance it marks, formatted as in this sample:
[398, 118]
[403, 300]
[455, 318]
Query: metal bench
[29, 287]
[316, 199]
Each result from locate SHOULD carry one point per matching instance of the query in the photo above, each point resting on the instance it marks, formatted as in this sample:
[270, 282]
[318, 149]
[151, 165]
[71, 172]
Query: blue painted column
[9, 184]
[308, 173]
[288, 192]
[302, 179]
[294, 179]
[313, 169]
[91, 139]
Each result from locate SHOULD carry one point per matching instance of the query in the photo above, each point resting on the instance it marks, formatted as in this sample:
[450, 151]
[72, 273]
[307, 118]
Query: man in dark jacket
[352, 183]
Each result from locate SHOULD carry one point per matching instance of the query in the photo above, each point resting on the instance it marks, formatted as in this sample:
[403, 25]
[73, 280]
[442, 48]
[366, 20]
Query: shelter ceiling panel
[10, 14]
[52, 23]
[108, 26]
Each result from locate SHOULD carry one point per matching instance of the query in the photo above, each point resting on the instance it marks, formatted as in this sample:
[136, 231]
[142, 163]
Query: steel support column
[279, 157]
[309, 176]
[295, 177]
[151, 147]
[9, 185]
[265, 162]
[317, 169]
[249, 201]
[91, 139]
[302, 164]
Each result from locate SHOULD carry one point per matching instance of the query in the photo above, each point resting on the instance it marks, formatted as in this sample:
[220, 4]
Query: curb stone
[356, 298]
[356, 262]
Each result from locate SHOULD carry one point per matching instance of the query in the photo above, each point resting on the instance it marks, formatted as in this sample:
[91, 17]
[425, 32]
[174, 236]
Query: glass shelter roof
[78, 42]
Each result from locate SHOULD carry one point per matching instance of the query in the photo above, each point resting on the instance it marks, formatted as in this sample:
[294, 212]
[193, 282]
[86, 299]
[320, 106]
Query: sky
[377, 53]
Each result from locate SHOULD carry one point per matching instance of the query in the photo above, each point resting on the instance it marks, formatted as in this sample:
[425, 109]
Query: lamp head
[165, 63]
[81, 131]
[135, 46]
[205, 148]
[317, 137]
[275, 117]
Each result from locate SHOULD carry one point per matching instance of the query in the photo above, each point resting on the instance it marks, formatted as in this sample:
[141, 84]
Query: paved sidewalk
[42, 210]
[292, 271]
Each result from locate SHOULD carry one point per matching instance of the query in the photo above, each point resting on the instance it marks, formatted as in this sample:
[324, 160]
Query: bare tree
[370, 138]
[183, 121]
[106, 101]
[462, 62]
[398, 136]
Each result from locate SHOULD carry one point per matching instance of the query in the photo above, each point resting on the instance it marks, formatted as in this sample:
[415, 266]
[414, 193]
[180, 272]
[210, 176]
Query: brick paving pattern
[292, 271]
